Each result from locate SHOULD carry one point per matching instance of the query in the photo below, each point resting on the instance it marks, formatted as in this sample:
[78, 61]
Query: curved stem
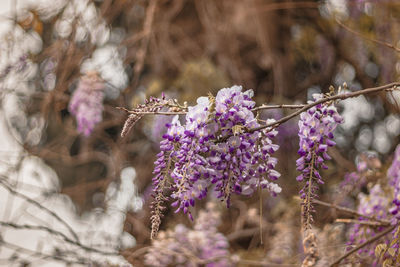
[372, 239]
[390, 86]
[308, 199]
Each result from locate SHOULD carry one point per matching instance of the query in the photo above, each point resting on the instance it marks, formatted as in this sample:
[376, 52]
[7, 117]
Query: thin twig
[391, 46]
[243, 233]
[262, 107]
[353, 212]
[40, 206]
[147, 29]
[372, 239]
[372, 224]
[284, 5]
[277, 106]
[54, 232]
[42, 255]
[152, 112]
[391, 86]
[301, 108]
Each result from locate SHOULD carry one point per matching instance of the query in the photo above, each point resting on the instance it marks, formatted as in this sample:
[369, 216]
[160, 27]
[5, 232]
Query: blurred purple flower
[86, 103]
[158, 128]
[375, 204]
[287, 137]
[203, 241]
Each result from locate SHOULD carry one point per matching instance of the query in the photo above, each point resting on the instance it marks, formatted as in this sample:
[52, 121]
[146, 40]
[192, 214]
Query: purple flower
[163, 169]
[216, 150]
[203, 241]
[375, 204]
[316, 128]
[86, 103]
[367, 162]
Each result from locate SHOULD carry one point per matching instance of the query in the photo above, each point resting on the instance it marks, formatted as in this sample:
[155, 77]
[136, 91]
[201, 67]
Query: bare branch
[54, 232]
[368, 38]
[387, 87]
[301, 108]
[262, 107]
[42, 255]
[369, 241]
[40, 206]
[353, 212]
[368, 223]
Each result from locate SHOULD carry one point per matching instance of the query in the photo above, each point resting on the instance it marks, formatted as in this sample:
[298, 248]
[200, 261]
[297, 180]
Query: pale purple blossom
[172, 247]
[375, 204]
[86, 103]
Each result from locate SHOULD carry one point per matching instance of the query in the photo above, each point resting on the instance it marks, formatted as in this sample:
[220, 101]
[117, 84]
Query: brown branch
[353, 212]
[390, 86]
[277, 106]
[284, 5]
[369, 241]
[301, 107]
[391, 46]
[368, 223]
[152, 112]
[262, 107]
[147, 29]
[243, 233]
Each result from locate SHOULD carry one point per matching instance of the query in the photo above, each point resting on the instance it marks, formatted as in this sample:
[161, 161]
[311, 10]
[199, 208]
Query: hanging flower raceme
[244, 160]
[218, 150]
[316, 128]
[86, 103]
[163, 170]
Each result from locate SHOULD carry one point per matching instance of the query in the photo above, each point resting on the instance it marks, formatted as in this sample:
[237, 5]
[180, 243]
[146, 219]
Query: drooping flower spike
[316, 128]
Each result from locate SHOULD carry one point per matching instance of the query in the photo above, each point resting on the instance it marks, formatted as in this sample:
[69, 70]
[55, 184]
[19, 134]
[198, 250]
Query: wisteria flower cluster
[316, 128]
[215, 149]
[86, 103]
[375, 204]
[191, 247]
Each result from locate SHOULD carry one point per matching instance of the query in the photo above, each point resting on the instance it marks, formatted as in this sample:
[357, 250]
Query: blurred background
[69, 198]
